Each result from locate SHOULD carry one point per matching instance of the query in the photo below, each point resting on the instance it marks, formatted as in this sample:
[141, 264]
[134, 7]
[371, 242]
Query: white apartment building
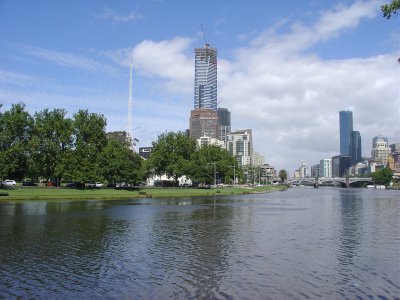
[258, 159]
[206, 141]
[240, 144]
[303, 170]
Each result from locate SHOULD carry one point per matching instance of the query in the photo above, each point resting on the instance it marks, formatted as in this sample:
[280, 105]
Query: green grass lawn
[53, 193]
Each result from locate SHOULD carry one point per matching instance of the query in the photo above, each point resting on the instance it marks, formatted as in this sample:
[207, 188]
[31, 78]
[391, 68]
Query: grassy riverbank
[52, 193]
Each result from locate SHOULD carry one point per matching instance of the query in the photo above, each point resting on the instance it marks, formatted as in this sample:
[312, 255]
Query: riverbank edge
[146, 193]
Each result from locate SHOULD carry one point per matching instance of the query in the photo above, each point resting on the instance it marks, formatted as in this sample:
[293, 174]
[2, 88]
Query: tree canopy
[175, 155]
[53, 147]
[283, 175]
[202, 165]
[383, 176]
[171, 155]
[390, 8]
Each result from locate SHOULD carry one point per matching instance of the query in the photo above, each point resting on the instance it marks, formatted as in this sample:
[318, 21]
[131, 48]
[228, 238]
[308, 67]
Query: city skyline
[284, 69]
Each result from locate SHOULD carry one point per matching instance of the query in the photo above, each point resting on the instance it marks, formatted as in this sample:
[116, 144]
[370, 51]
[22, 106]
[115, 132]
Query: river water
[304, 243]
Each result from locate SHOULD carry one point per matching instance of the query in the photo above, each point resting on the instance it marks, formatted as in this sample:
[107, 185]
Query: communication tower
[129, 132]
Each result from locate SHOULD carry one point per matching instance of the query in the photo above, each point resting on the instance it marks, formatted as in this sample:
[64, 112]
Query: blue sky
[285, 68]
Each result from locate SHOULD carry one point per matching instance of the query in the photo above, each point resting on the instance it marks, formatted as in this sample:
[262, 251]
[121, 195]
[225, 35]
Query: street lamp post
[234, 175]
[254, 176]
[215, 173]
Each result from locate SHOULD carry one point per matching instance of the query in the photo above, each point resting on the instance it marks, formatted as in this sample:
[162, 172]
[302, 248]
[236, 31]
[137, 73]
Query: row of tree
[52, 146]
[176, 155]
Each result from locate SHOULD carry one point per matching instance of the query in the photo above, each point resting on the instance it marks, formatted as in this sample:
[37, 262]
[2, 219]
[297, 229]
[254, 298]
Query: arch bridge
[347, 182]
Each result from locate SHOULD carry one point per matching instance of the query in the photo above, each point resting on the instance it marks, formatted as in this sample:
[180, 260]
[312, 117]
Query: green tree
[391, 8]
[383, 176]
[89, 139]
[16, 126]
[118, 163]
[52, 138]
[283, 175]
[202, 165]
[171, 155]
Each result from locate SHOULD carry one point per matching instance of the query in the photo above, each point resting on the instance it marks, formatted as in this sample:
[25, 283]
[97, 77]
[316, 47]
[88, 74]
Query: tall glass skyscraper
[205, 78]
[346, 131]
[224, 123]
[356, 147]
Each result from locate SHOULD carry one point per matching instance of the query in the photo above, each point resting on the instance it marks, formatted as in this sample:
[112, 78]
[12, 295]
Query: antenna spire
[130, 110]
[204, 36]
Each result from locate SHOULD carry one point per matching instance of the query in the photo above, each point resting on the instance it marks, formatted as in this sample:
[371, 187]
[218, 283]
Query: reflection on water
[302, 243]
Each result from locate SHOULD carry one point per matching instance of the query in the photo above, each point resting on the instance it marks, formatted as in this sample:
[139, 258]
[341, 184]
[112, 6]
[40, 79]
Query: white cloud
[167, 60]
[65, 59]
[292, 100]
[109, 14]
[290, 97]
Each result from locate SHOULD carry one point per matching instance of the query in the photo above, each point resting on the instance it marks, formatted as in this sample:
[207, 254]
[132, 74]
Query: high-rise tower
[224, 123]
[356, 148]
[346, 132]
[205, 78]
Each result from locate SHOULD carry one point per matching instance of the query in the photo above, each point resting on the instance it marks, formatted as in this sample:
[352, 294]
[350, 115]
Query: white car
[99, 185]
[9, 183]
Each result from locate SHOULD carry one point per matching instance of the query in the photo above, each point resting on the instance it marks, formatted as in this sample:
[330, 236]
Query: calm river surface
[303, 243]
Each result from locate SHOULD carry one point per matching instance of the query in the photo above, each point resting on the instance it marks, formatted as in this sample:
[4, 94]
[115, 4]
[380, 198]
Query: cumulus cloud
[168, 60]
[275, 85]
[292, 99]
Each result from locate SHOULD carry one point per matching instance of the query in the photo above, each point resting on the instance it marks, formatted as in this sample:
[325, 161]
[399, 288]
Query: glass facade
[346, 131]
[205, 78]
[356, 147]
[224, 123]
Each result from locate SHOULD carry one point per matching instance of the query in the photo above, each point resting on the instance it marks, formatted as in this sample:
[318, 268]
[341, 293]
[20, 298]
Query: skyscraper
[224, 123]
[346, 131]
[356, 147]
[205, 78]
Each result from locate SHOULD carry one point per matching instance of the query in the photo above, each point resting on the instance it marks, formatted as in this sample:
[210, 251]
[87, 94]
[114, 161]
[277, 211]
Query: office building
[356, 148]
[257, 159]
[380, 150]
[208, 141]
[379, 138]
[340, 165]
[346, 131]
[267, 173]
[239, 144]
[120, 136]
[395, 151]
[205, 78]
[203, 123]
[303, 170]
[325, 168]
[224, 123]
[145, 152]
[315, 171]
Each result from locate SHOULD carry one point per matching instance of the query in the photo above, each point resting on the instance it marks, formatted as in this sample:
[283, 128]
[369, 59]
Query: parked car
[94, 185]
[9, 183]
[28, 183]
